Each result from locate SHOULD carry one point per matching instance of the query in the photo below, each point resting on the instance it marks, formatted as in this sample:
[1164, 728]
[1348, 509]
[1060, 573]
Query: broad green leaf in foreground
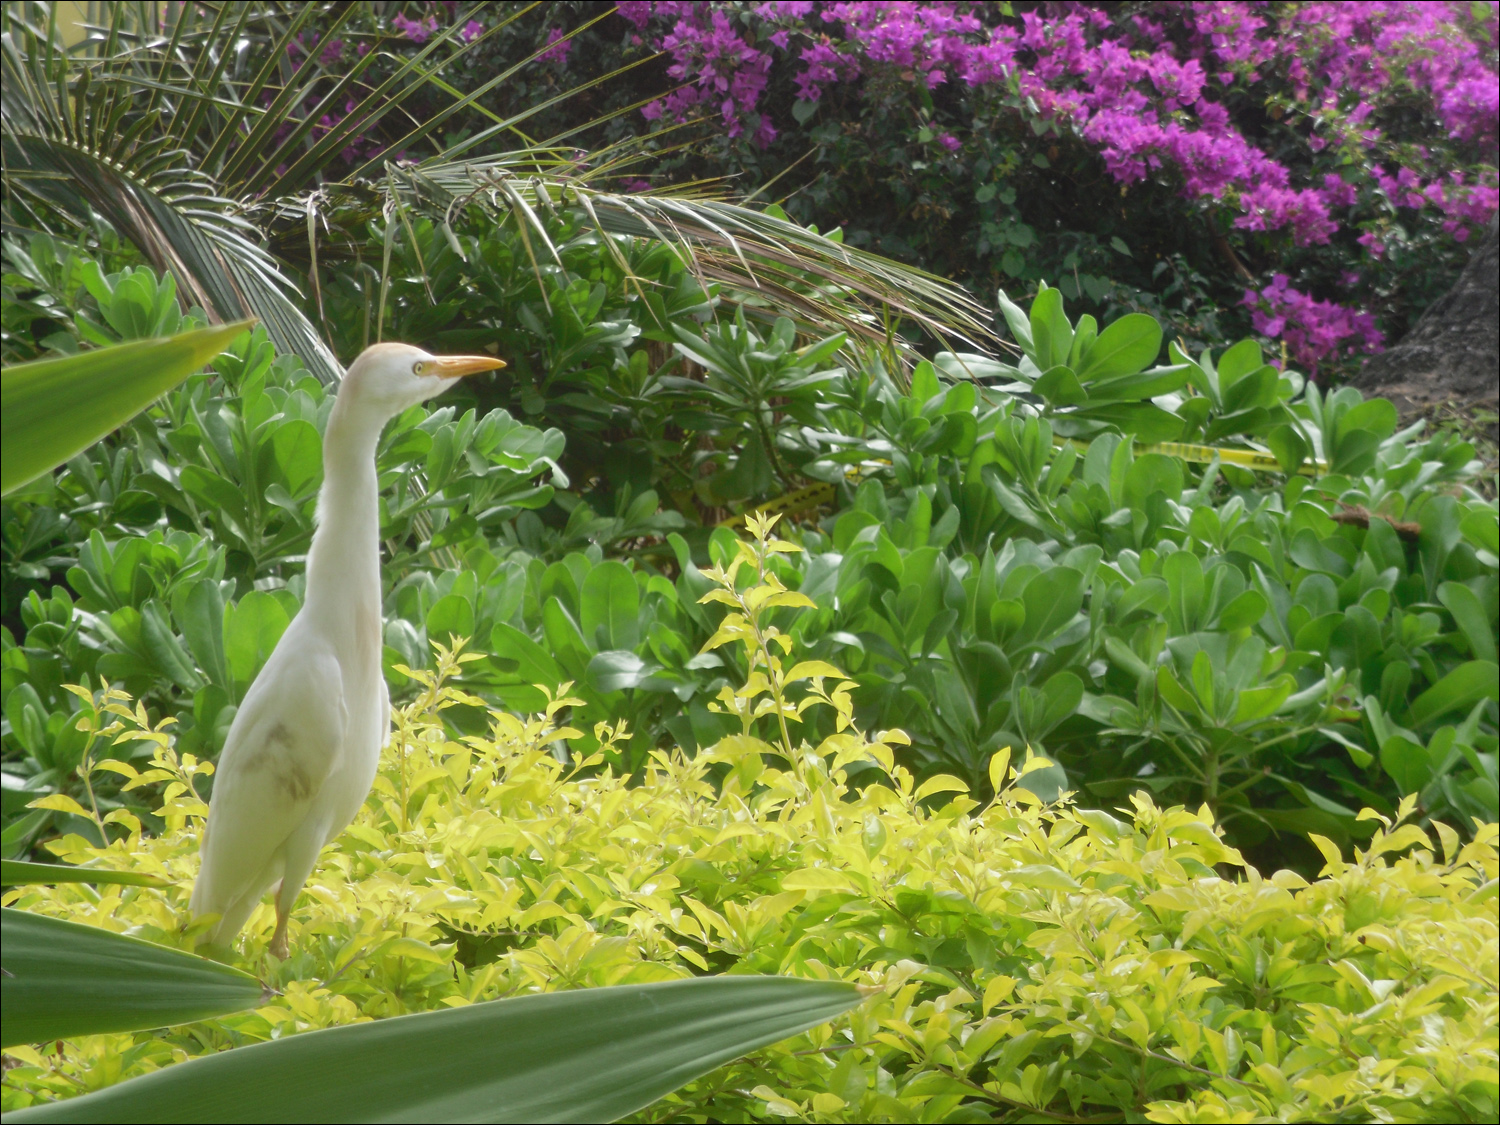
[52, 409]
[14, 872]
[63, 979]
[594, 1054]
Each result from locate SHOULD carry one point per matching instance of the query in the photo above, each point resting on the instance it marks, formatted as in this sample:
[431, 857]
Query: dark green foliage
[1006, 561]
[584, 340]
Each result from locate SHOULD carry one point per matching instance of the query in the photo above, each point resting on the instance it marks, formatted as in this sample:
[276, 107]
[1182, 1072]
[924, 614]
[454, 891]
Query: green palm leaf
[765, 260]
[203, 155]
[55, 408]
[64, 979]
[14, 872]
[595, 1054]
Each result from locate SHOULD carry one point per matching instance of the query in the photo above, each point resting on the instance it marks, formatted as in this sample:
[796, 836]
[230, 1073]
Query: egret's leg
[301, 855]
[278, 946]
[239, 908]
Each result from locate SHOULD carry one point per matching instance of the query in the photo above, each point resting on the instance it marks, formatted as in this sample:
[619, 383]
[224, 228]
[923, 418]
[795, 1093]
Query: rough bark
[1452, 354]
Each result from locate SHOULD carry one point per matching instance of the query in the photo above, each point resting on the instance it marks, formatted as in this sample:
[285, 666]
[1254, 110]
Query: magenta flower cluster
[1145, 87]
[417, 31]
[557, 48]
[710, 51]
[1310, 328]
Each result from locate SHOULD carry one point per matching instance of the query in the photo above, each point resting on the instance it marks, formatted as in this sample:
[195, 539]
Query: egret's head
[391, 377]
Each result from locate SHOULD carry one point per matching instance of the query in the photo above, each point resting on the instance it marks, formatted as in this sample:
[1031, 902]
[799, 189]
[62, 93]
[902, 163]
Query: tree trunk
[1452, 355]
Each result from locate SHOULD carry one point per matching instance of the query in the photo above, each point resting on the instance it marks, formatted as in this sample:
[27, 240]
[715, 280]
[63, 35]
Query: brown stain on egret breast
[288, 774]
[294, 782]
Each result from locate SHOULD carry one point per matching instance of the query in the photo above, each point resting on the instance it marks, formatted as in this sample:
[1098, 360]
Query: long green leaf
[596, 1054]
[63, 979]
[1459, 690]
[14, 872]
[55, 408]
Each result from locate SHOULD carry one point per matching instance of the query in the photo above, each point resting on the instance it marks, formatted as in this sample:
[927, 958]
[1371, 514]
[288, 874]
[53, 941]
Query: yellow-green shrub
[1032, 960]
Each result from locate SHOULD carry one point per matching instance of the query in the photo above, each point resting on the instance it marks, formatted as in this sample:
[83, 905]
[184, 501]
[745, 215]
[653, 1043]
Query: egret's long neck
[343, 566]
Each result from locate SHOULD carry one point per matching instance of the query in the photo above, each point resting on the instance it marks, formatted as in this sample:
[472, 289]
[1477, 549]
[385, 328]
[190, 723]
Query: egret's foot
[278, 946]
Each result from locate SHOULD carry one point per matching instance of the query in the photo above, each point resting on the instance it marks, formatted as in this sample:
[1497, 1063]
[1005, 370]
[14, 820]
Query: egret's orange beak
[452, 366]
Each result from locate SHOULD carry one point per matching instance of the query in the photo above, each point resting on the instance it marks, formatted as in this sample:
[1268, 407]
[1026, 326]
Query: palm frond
[725, 237]
[763, 259]
[209, 156]
[159, 127]
[68, 142]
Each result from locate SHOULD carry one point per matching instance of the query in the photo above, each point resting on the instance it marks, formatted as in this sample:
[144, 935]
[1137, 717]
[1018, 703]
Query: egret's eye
[419, 368]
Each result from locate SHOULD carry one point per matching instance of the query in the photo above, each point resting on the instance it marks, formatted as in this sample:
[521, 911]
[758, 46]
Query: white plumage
[304, 746]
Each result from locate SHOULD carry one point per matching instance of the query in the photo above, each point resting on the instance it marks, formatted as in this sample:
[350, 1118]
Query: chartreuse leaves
[995, 924]
[586, 1055]
[64, 979]
[52, 409]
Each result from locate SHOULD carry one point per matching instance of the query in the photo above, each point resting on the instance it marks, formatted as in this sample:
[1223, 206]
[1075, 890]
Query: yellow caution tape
[1206, 454]
[798, 500]
[816, 495]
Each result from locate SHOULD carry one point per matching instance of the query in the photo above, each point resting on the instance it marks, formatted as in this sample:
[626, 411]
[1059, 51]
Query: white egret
[304, 746]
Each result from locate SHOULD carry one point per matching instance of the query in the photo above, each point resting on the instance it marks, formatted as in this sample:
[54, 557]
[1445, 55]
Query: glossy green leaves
[1128, 345]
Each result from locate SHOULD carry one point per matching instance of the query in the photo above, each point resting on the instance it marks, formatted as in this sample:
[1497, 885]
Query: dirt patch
[1447, 368]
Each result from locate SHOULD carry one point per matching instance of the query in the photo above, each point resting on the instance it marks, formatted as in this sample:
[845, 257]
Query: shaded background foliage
[1000, 569]
[1350, 148]
[998, 566]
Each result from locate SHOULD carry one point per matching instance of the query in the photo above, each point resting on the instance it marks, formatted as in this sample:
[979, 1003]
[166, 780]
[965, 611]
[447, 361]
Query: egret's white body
[304, 746]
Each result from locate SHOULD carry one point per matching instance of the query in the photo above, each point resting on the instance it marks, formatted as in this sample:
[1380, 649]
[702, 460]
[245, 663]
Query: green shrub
[1008, 559]
[1026, 957]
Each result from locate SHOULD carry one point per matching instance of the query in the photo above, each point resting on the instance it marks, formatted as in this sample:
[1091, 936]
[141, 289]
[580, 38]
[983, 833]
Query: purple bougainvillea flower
[1150, 90]
[558, 53]
[1313, 330]
[415, 30]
